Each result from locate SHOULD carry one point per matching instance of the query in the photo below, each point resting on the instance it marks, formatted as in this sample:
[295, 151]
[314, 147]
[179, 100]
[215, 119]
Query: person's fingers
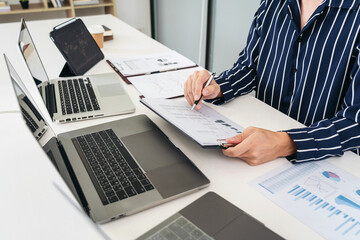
[235, 140]
[198, 106]
[198, 84]
[242, 136]
[237, 151]
[211, 91]
[187, 90]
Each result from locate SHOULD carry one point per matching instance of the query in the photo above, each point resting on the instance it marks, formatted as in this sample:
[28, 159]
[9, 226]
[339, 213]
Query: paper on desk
[163, 85]
[147, 64]
[204, 126]
[321, 195]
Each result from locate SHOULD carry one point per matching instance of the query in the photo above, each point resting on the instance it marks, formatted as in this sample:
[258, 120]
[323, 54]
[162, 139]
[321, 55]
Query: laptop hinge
[50, 99]
[74, 179]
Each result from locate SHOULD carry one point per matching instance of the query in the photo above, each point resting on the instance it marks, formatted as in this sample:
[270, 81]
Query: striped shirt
[312, 75]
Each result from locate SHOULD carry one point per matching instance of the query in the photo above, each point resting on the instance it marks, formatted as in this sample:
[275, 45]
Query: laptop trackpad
[152, 149]
[246, 227]
[110, 90]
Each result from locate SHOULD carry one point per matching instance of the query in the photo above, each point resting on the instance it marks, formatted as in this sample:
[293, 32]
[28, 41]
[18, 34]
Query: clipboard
[214, 118]
[185, 64]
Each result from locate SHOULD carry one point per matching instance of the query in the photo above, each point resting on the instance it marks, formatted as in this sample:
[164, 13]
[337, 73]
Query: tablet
[76, 45]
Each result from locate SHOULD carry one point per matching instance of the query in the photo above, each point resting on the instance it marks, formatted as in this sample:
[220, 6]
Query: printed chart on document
[321, 195]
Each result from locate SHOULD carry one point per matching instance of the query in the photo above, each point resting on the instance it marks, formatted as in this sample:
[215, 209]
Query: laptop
[34, 120]
[74, 98]
[121, 167]
[210, 217]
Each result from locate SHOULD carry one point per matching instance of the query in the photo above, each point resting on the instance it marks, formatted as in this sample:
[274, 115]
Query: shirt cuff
[314, 145]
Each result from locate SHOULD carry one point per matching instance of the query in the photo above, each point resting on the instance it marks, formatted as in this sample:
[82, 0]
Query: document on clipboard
[149, 64]
[168, 84]
[205, 126]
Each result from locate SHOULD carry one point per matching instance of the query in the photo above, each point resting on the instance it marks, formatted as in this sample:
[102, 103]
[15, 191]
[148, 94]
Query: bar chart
[319, 194]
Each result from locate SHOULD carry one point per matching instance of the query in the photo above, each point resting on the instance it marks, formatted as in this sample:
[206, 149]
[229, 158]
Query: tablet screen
[77, 46]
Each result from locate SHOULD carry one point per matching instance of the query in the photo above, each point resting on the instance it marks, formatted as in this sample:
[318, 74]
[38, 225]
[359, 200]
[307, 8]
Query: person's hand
[256, 146]
[194, 87]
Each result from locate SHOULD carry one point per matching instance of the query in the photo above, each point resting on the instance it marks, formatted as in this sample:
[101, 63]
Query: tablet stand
[66, 71]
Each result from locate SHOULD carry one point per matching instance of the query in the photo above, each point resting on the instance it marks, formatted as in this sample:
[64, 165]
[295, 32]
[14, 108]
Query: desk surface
[229, 177]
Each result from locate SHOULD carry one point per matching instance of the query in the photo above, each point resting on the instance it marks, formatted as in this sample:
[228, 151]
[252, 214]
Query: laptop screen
[31, 56]
[34, 120]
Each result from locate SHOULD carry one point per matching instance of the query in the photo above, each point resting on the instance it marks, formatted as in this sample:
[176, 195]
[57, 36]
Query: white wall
[135, 13]
[181, 26]
[232, 20]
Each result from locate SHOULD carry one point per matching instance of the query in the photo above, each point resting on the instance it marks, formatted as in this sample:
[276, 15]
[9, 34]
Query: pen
[207, 84]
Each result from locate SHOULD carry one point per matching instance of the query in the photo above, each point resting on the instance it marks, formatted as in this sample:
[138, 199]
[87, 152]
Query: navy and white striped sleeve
[240, 79]
[331, 137]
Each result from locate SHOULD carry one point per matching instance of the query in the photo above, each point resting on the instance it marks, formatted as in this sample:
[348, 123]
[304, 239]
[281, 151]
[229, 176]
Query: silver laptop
[34, 120]
[75, 98]
[210, 217]
[121, 167]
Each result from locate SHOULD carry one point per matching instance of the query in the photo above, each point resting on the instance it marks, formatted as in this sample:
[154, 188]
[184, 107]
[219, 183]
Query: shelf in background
[42, 7]
[102, 3]
[34, 8]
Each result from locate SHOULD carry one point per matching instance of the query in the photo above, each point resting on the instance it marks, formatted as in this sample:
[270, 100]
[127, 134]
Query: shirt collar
[347, 4]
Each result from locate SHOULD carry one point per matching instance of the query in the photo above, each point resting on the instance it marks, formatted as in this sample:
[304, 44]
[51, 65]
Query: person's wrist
[287, 146]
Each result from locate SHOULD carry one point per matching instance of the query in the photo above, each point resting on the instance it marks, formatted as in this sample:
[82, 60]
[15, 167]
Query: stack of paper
[158, 75]
[205, 126]
[4, 7]
[85, 2]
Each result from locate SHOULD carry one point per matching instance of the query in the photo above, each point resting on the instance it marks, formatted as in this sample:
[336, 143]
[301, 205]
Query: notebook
[121, 167]
[205, 126]
[210, 217]
[76, 98]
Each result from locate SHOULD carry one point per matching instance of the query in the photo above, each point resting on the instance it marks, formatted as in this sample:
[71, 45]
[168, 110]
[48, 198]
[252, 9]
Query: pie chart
[331, 176]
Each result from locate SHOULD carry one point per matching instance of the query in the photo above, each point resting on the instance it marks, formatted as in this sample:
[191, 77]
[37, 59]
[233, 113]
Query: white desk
[229, 177]
[31, 205]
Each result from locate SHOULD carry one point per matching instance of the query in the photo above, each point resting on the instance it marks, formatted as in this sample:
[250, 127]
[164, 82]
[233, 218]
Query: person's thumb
[236, 139]
[210, 91]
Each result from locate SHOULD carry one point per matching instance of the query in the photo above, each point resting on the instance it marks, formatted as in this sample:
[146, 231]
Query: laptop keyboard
[180, 228]
[29, 121]
[114, 173]
[77, 95]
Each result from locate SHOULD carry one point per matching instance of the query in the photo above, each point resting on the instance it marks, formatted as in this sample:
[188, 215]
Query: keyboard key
[113, 199]
[117, 188]
[130, 191]
[157, 237]
[189, 227]
[181, 221]
[178, 230]
[138, 187]
[197, 233]
[145, 182]
[149, 187]
[121, 194]
[204, 237]
[167, 234]
[137, 171]
[109, 192]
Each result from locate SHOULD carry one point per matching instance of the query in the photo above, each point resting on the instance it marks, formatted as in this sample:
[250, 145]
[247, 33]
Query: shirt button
[299, 38]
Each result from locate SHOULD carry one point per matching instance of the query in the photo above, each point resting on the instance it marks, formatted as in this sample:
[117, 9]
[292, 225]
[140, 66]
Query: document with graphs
[205, 126]
[321, 195]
